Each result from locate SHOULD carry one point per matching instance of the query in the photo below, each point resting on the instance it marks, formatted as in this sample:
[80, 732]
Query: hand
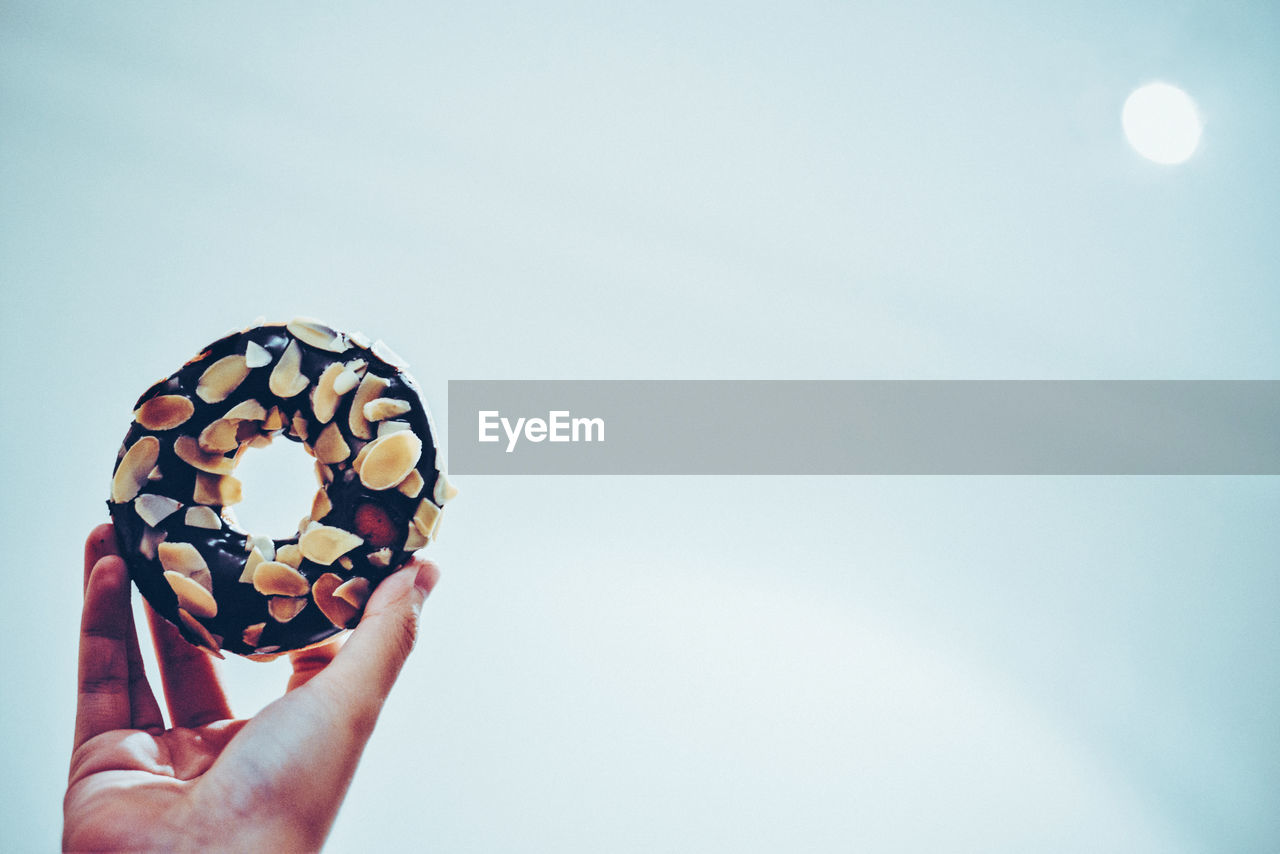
[212, 782]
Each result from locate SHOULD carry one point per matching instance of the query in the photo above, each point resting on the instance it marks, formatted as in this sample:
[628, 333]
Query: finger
[142, 700]
[103, 696]
[369, 662]
[308, 662]
[192, 689]
[101, 542]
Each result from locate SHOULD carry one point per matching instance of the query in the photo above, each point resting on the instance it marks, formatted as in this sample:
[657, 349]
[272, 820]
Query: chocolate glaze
[226, 550]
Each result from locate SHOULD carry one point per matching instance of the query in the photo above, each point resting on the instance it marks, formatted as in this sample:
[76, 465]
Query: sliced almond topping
[290, 554]
[221, 378]
[251, 565]
[274, 420]
[382, 557]
[386, 354]
[164, 412]
[181, 558]
[253, 634]
[188, 450]
[155, 474]
[346, 562]
[324, 544]
[412, 485]
[339, 611]
[358, 462]
[390, 459]
[151, 539]
[207, 640]
[260, 441]
[133, 469]
[386, 427]
[324, 474]
[266, 545]
[331, 447]
[316, 334]
[360, 340]
[256, 356]
[324, 399]
[299, 426]
[199, 516]
[371, 388]
[320, 505]
[191, 596]
[416, 538]
[355, 592]
[444, 491]
[384, 408]
[283, 609]
[286, 377]
[346, 380]
[219, 437]
[217, 491]
[425, 517]
[246, 410]
[154, 509]
[273, 578]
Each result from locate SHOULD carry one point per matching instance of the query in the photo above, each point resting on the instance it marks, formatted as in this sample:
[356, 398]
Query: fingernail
[426, 578]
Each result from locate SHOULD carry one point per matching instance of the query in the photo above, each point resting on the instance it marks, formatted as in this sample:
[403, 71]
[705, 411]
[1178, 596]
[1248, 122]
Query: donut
[354, 408]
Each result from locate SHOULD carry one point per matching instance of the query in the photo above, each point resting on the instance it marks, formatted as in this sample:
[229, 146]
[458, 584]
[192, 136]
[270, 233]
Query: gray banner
[864, 427]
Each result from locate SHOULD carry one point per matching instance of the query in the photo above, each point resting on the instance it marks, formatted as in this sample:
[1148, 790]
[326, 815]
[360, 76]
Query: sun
[1162, 123]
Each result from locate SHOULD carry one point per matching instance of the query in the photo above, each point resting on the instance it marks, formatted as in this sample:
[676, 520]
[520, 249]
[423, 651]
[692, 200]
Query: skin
[213, 782]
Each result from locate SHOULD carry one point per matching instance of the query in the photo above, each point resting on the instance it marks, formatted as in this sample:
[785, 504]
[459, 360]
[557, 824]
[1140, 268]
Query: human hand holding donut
[212, 782]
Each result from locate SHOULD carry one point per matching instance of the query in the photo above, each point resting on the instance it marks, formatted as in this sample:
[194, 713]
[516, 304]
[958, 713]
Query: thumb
[366, 667]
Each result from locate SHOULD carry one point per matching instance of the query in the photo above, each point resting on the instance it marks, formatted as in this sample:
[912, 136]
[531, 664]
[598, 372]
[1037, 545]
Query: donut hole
[279, 482]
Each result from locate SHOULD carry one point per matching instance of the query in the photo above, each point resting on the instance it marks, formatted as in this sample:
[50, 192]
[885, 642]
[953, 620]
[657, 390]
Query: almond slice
[246, 410]
[133, 469]
[221, 378]
[354, 591]
[256, 356]
[444, 491]
[298, 427]
[324, 474]
[346, 380]
[324, 544]
[339, 611]
[164, 412]
[217, 491]
[272, 578]
[266, 545]
[384, 408]
[274, 420]
[358, 462]
[199, 516]
[382, 557]
[154, 509]
[390, 459]
[331, 447]
[253, 634]
[191, 596]
[371, 388]
[188, 450]
[425, 517]
[182, 558]
[286, 377]
[412, 485]
[385, 427]
[320, 505]
[386, 354]
[290, 554]
[283, 609]
[151, 539]
[316, 334]
[415, 540]
[251, 565]
[219, 437]
[324, 399]
[207, 640]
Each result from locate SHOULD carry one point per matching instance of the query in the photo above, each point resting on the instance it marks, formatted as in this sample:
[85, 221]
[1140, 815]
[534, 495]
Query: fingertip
[428, 575]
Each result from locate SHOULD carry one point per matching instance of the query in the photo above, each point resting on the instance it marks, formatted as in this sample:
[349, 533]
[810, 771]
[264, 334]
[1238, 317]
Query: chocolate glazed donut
[353, 407]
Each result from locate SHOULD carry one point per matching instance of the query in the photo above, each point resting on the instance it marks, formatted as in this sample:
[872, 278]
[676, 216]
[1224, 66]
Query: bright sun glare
[1162, 123]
